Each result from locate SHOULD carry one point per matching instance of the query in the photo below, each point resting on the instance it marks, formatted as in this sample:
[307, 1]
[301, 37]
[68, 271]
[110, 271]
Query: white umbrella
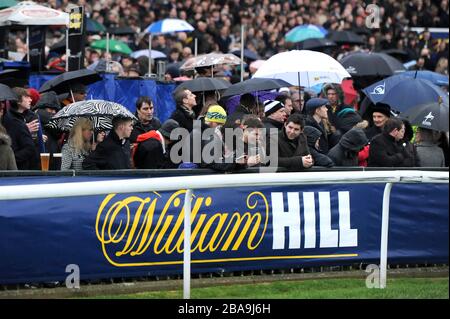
[303, 68]
[155, 54]
[31, 13]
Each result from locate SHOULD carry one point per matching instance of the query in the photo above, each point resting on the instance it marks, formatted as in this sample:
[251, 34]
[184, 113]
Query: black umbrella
[400, 55]
[315, 44]
[6, 94]
[122, 31]
[371, 64]
[345, 37]
[204, 84]
[253, 85]
[248, 54]
[13, 77]
[62, 83]
[433, 116]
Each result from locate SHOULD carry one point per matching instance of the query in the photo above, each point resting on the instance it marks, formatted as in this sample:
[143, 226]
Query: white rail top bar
[216, 181]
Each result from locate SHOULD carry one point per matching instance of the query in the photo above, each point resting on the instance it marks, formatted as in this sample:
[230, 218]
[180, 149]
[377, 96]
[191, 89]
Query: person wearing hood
[313, 138]
[345, 153]
[145, 110]
[247, 105]
[335, 96]
[47, 106]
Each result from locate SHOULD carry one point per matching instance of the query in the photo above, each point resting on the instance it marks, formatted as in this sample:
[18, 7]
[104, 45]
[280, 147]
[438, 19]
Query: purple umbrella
[233, 102]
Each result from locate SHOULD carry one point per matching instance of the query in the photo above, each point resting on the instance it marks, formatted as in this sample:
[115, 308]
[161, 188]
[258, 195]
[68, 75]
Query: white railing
[233, 180]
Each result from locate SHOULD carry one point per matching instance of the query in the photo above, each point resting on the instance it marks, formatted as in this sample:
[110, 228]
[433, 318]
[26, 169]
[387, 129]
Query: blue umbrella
[304, 32]
[248, 54]
[169, 26]
[433, 77]
[403, 92]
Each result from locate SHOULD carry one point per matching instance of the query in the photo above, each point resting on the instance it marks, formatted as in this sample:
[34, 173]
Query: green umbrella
[115, 46]
[7, 3]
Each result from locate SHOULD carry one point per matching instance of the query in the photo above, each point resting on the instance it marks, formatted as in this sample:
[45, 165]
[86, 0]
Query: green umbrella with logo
[115, 46]
[7, 3]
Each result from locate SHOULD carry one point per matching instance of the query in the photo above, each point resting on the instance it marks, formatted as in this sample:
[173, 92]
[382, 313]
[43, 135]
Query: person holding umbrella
[115, 151]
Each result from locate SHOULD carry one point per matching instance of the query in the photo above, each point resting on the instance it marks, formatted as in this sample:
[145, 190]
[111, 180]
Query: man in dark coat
[114, 152]
[247, 105]
[274, 115]
[345, 153]
[317, 111]
[47, 106]
[25, 152]
[380, 114]
[293, 152]
[146, 120]
[389, 149]
[313, 135]
[184, 113]
[152, 150]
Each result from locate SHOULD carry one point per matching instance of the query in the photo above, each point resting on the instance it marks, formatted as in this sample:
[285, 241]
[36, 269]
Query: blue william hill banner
[123, 235]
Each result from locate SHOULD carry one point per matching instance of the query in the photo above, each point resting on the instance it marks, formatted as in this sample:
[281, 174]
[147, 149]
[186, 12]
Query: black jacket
[385, 151]
[52, 144]
[372, 131]
[323, 143]
[270, 123]
[25, 152]
[290, 152]
[112, 153]
[150, 155]
[312, 135]
[184, 118]
[139, 128]
[346, 152]
[236, 117]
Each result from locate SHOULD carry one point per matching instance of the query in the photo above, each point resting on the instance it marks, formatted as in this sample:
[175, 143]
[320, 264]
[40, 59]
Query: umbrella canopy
[402, 93]
[93, 26]
[169, 26]
[62, 83]
[100, 112]
[155, 54]
[433, 116]
[115, 46]
[303, 68]
[204, 84]
[255, 65]
[122, 30]
[7, 3]
[400, 55]
[345, 37]
[315, 44]
[248, 54]
[6, 94]
[30, 13]
[371, 64]
[210, 59]
[433, 77]
[13, 77]
[304, 32]
[254, 85]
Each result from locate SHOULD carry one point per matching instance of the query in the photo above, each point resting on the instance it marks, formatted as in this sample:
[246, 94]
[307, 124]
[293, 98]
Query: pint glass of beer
[45, 161]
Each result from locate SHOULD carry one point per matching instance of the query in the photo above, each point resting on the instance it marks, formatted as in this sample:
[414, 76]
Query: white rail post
[384, 234]
[187, 246]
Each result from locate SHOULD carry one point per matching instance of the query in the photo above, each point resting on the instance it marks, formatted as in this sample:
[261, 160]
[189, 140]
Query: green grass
[408, 288]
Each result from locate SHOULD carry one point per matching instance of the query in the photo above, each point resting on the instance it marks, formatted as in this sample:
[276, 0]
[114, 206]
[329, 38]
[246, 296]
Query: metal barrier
[231, 180]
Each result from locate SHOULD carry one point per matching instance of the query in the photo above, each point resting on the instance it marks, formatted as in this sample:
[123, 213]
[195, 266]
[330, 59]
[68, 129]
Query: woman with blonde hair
[78, 145]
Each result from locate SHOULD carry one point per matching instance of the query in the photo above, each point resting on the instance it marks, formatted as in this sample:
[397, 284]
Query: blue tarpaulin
[125, 91]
